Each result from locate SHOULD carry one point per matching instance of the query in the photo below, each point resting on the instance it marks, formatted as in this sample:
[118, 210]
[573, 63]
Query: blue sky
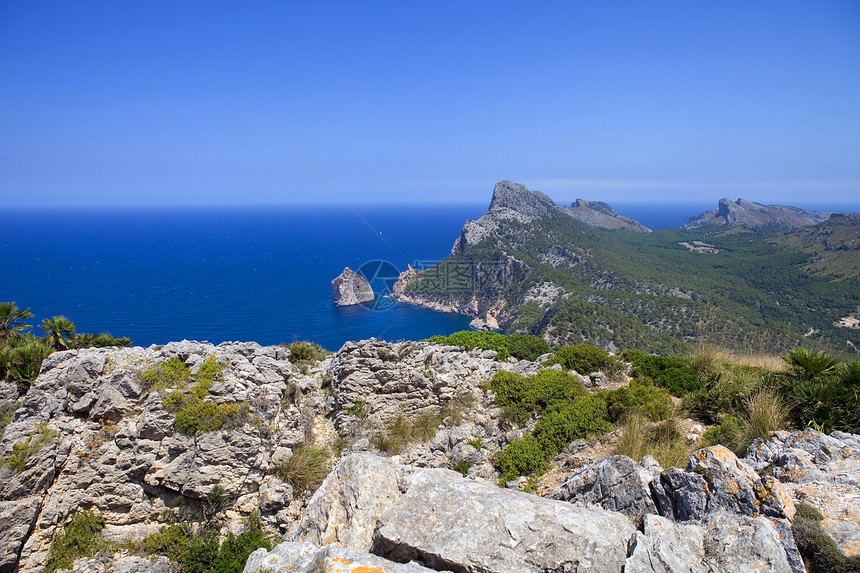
[120, 103]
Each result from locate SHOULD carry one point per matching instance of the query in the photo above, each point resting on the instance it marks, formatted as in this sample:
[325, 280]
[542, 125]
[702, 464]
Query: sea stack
[350, 288]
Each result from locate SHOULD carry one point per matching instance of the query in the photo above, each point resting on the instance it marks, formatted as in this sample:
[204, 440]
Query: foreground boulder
[308, 558]
[447, 522]
[350, 288]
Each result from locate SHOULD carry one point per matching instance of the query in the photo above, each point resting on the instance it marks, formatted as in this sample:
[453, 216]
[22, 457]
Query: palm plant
[805, 364]
[11, 319]
[56, 328]
[28, 360]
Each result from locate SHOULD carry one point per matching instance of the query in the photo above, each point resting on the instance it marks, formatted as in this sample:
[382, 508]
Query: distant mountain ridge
[749, 214]
[529, 265]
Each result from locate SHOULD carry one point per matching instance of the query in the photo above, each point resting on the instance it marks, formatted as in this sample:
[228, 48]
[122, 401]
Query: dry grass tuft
[706, 357]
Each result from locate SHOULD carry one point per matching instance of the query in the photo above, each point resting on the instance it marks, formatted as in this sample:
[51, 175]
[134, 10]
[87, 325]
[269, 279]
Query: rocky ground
[93, 432]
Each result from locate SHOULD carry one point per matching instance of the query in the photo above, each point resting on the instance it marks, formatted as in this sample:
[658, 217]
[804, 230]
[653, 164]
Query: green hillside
[763, 289]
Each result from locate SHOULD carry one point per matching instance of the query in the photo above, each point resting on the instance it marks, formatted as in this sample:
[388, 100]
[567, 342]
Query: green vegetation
[521, 347]
[565, 413]
[193, 413]
[81, 537]
[302, 352]
[21, 352]
[462, 467]
[521, 397]
[7, 412]
[818, 548]
[23, 451]
[641, 397]
[585, 359]
[825, 392]
[663, 441]
[766, 288]
[400, 431]
[675, 373]
[306, 468]
[195, 549]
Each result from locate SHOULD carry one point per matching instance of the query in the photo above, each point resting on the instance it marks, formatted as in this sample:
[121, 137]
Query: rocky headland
[109, 430]
[748, 214]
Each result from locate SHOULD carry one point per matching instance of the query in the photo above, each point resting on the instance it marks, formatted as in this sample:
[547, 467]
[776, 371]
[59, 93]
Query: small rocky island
[350, 288]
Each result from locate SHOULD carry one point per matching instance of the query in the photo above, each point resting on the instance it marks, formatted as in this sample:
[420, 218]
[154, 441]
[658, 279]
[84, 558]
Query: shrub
[816, 546]
[305, 352]
[7, 413]
[527, 346]
[307, 468]
[235, 550]
[81, 537]
[462, 467]
[675, 373]
[521, 457]
[728, 433]
[583, 358]
[170, 541]
[725, 390]
[168, 374]
[425, 425]
[570, 421]
[520, 396]
[470, 339]
[641, 397]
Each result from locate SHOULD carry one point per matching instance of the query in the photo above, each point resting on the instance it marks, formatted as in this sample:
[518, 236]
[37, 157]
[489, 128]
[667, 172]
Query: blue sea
[252, 273]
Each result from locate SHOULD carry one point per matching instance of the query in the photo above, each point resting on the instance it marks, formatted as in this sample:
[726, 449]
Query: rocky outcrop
[305, 557]
[749, 214]
[350, 288]
[600, 214]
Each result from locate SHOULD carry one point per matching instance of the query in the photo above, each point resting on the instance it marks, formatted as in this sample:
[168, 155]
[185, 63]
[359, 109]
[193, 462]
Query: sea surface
[252, 273]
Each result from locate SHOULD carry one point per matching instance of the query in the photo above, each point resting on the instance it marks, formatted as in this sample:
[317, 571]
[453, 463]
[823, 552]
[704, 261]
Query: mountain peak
[516, 196]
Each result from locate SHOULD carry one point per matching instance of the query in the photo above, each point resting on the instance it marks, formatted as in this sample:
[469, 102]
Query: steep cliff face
[748, 214]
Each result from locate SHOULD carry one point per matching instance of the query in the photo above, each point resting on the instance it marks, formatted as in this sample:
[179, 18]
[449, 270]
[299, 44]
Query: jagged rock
[731, 482]
[680, 495]
[308, 558]
[346, 507]
[447, 522]
[350, 288]
[616, 483]
[105, 563]
[821, 470]
[667, 547]
[740, 543]
[749, 214]
[16, 519]
[409, 378]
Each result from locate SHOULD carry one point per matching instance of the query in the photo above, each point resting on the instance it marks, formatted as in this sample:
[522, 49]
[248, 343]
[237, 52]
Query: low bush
[818, 548]
[303, 352]
[569, 421]
[462, 467]
[643, 397]
[470, 339]
[521, 396]
[663, 441]
[765, 413]
[527, 346]
[168, 374]
[81, 537]
[584, 358]
[521, 458]
[307, 468]
[729, 432]
[675, 373]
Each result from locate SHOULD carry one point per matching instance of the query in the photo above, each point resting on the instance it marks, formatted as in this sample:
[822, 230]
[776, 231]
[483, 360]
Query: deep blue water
[216, 274]
[261, 274]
